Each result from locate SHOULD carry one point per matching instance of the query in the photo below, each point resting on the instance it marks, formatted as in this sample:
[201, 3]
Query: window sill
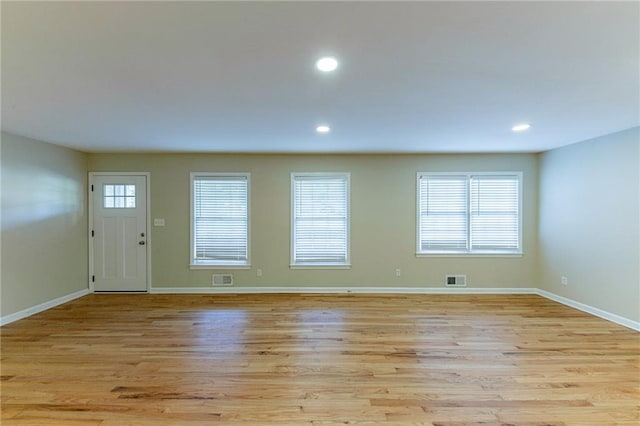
[195, 267]
[507, 255]
[326, 266]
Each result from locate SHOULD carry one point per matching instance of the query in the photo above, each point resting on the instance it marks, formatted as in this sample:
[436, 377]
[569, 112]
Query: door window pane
[119, 196]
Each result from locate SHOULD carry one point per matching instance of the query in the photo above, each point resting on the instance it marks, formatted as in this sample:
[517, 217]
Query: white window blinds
[469, 213]
[220, 219]
[320, 216]
[443, 213]
[495, 223]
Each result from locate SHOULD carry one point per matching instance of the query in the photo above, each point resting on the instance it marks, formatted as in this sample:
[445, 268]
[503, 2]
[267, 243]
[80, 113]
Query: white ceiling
[240, 76]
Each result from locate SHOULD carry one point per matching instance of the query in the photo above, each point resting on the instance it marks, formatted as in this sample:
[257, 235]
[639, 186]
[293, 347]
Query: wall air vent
[222, 280]
[455, 280]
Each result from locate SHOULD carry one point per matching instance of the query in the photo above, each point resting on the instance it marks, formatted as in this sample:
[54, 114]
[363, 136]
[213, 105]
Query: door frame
[147, 233]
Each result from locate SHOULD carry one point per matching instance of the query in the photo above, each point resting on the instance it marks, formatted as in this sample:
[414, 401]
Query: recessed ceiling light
[323, 129]
[327, 64]
[521, 127]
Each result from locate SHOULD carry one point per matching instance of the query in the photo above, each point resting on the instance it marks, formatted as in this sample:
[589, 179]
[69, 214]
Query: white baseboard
[340, 290]
[42, 307]
[634, 325]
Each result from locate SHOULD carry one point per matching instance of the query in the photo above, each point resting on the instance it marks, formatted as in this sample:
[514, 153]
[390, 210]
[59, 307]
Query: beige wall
[44, 222]
[383, 218]
[589, 230]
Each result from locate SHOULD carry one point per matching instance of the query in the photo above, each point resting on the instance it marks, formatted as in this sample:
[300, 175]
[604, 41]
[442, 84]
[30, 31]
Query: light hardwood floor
[318, 360]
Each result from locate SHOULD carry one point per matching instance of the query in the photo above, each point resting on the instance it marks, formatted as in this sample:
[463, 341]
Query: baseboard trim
[340, 290]
[634, 325]
[42, 307]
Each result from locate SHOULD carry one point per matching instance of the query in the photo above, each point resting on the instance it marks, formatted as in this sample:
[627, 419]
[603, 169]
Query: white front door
[119, 233]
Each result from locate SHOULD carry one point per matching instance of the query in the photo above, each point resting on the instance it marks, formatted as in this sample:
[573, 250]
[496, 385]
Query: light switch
[158, 222]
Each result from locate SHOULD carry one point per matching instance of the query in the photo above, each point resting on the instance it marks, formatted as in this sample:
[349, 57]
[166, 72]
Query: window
[469, 213]
[116, 196]
[220, 219]
[320, 219]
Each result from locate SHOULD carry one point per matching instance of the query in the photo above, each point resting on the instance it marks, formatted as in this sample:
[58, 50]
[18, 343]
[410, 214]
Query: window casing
[469, 213]
[220, 220]
[320, 219]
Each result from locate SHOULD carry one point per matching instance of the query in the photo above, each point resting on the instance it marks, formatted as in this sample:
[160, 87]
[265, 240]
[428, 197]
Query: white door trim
[148, 233]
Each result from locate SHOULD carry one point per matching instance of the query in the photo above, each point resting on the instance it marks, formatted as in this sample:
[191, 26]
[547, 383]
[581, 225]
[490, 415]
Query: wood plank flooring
[318, 360]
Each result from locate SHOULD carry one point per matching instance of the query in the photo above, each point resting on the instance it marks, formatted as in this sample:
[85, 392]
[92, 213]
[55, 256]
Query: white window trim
[221, 265]
[469, 253]
[342, 265]
[321, 266]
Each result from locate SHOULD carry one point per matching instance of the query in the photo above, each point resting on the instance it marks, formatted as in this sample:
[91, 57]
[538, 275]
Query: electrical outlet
[258, 272]
[397, 272]
[564, 281]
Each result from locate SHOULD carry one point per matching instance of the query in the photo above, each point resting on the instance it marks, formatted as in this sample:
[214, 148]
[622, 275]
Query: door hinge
[91, 188]
[93, 278]
[92, 233]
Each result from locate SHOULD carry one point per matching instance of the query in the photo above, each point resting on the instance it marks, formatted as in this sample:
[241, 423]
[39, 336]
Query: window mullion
[469, 230]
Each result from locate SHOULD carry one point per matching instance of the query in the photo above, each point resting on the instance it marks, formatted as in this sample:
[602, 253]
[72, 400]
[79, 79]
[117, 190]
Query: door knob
[141, 243]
